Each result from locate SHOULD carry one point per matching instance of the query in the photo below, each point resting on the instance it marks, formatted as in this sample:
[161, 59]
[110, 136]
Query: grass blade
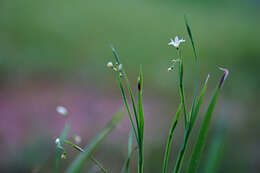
[59, 149]
[216, 148]
[115, 54]
[124, 94]
[197, 108]
[129, 155]
[181, 89]
[203, 132]
[196, 66]
[140, 120]
[201, 140]
[97, 163]
[126, 105]
[181, 154]
[78, 164]
[168, 145]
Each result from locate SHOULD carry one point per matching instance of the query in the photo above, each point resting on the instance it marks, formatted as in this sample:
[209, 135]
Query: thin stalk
[188, 130]
[196, 66]
[181, 88]
[127, 105]
[168, 145]
[181, 154]
[132, 99]
[100, 166]
[141, 121]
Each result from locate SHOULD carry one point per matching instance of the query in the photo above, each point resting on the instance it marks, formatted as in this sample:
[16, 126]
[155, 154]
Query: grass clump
[134, 109]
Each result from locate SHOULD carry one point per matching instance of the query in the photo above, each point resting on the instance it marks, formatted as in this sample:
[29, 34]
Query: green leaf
[216, 148]
[124, 94]
[182, 151]
[126, 105]
[201, 140]
[115, 54]
[196, 65]
[59, 148]
[78, 164]
[141, 121]
[197, 108]
[168, 146]
[130, 153]
[97, 163]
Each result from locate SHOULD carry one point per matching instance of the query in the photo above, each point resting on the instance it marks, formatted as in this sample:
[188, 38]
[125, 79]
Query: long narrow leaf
[216, 148]
[182, 151]
[126, 105]
[59, 150]
[196, 65]
[201, 140]
[78, 164]
[140, 120]
[168, 145]
[129, 154]
[97, 163]
[197, 108]
[116, 56]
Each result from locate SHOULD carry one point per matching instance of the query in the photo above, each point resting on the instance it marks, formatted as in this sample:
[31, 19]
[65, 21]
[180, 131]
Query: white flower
[176, 42]
[77, 139]
[110, 64]
[120, 67]
[62, 110]
[57, 141]
[169, 69]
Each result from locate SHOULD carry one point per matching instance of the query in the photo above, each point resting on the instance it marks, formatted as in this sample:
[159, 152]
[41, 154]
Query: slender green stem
[100, 166]
[140, 160]
[127, 105]
[132, 99]
[181, 154]
[196, 67]
[141, 121]
[181, 88]
[188, 130]
[168, 145]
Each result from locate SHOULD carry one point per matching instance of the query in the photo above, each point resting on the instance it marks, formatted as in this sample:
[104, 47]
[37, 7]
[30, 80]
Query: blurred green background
[55, 53]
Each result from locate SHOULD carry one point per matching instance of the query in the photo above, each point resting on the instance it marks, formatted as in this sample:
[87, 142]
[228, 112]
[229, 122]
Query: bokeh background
[55, 53]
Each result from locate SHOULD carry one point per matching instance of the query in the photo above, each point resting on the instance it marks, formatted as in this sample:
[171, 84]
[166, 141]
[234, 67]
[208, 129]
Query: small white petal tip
[110, 65]
[207, 78]
[120, 67]
[57, 141]
[62, 110]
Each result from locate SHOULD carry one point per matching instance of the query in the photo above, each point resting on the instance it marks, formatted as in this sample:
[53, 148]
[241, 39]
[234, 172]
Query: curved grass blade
[182, 151]
[168, 145]
[59, 148]
[203, 132]
[197, 108]
[201, 140]
[126, 105]
[78, 164]
[196, 65]
[129, 155]
[115, 54]
[124, 95]
[97, 163]
[216, 148]
[141, 121]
